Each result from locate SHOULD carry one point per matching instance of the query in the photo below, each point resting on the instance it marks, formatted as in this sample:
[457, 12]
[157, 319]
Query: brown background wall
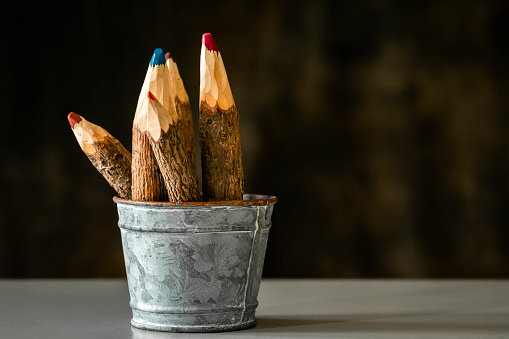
[381, 126]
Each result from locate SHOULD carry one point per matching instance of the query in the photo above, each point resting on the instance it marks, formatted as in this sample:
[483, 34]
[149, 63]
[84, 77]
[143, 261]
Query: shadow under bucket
[195, 266]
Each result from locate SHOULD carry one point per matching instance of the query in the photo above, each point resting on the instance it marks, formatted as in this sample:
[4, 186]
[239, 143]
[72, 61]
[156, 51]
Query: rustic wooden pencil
[168, 149]
[183, 108]
[222, 173]
[105, 152]
[147, 181]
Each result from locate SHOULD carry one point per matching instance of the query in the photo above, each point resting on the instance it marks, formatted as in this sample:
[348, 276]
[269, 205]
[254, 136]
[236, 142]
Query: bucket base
[223, 321]
[194, 328]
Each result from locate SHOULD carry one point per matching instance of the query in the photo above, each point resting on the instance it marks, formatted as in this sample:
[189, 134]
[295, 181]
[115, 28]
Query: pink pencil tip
[151, 96]
[167, 55]
[73, 119]
[209, 42]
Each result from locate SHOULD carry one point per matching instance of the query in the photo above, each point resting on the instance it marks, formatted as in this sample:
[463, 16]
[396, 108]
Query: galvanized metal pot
[196, 266]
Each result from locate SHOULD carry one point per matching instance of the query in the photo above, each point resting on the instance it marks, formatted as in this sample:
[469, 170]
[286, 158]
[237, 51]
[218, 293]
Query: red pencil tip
[73, 119]
[167, 55]
[151, 96]
[209, 42]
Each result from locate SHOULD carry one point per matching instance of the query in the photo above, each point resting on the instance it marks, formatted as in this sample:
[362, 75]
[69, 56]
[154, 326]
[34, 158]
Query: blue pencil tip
[158, 58]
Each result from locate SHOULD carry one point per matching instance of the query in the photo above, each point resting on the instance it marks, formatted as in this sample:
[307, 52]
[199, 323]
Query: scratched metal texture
[194, 268]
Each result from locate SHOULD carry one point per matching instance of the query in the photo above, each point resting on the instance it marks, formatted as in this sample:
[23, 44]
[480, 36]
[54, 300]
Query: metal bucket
[196, 266]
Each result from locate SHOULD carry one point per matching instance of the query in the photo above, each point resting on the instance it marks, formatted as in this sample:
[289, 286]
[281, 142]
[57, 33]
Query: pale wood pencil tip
[73, 119]
[209, 42]
[158, 58]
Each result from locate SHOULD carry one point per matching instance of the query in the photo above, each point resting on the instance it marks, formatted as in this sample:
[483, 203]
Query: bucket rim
[249, 200]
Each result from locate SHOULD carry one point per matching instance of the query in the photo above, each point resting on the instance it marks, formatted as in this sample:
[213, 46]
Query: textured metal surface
[194, 268]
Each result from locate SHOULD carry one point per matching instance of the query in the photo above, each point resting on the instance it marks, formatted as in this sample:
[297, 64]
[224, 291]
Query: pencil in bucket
[192, 265]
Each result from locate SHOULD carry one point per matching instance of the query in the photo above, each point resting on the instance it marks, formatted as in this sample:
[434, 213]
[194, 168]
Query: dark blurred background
[382, 126]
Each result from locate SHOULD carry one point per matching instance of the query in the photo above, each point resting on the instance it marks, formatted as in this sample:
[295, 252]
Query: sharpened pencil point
[167, 55]
[151, 96]
[158, 58]
[73, 119]
[209, 42]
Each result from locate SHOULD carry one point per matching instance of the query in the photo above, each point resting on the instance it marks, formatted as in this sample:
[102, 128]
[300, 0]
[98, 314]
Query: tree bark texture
[221, 156]
[147, 181]
[186, 132]
[113, 161]
[179, 177]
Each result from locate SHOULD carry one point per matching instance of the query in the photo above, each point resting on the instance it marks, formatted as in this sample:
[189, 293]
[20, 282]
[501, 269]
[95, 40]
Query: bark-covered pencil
[169, 151]
[222, 173]
[148, 183]
[105, 152]
[183, 109]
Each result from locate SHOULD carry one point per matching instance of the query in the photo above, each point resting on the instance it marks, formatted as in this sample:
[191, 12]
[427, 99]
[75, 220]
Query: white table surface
[288, 309]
